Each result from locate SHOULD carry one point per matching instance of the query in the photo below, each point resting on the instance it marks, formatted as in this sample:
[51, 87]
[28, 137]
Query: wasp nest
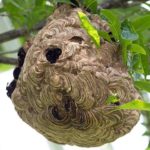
[65, 82]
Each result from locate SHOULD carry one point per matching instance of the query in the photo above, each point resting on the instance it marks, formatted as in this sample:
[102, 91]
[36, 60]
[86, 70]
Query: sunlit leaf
[135, 105]
[89, 28]
[112, 99]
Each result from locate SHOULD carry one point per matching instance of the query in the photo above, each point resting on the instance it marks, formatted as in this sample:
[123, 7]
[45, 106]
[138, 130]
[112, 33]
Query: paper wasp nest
[65, 81]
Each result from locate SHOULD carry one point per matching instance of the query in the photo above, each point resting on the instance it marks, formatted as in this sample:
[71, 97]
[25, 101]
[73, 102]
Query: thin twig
[8, 52]
[8, 60]
[6, 36]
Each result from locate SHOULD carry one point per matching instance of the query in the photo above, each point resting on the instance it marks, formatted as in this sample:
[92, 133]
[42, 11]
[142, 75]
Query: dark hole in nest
[111, 36]
[76, 39]
[55, 113]
[67, 105]
[52, 54]
[74, 3]
[117, 103]
[82, 119]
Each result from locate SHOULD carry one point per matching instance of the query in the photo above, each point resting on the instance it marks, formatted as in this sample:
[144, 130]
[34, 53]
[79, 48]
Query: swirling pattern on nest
[65, 81]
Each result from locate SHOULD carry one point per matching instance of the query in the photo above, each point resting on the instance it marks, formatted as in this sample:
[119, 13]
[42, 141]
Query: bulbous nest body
[65, 81]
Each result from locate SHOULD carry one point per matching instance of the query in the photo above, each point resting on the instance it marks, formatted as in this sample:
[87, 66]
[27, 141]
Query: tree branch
[19, 32]
[8, 52]
[24, 31]
[8, 60]
[119, 3]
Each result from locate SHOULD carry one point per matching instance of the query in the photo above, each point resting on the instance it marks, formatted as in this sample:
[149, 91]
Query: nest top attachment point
[62, 87]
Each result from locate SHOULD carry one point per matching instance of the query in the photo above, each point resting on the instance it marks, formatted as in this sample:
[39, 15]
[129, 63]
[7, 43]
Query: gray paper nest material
[65, 99]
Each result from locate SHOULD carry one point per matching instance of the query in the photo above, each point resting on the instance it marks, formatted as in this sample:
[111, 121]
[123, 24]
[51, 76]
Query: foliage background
[20, 20]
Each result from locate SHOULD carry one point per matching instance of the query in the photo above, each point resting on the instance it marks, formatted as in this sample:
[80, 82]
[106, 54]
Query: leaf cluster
[26, 13]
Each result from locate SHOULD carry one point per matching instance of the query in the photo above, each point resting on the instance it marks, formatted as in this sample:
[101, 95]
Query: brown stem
[8, 60]
[8, 52]
[6, 36]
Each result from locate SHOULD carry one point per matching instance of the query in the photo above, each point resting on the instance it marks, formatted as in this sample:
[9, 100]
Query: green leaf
[136, 64]
[63, 1]
[128, 12]
[113, 21]
[137, 49]
[40, 2]
[147, 133]
[145, 59]
[142, 23]
[89, 28]
[28, 13]
[143, 85]
[17, 5]
[105, 35]
[124, 46]
[2, 10]
[146, 64]
[91, 4]
[135, 105]
[4, 67]
[112, 99]
[128, 32]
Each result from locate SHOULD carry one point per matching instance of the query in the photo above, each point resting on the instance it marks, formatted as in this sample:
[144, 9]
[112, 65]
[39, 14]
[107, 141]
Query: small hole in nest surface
[55, 113]
[117, 103]
[112, 37]
[67, 105]
[52, 54]
[76, 39]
